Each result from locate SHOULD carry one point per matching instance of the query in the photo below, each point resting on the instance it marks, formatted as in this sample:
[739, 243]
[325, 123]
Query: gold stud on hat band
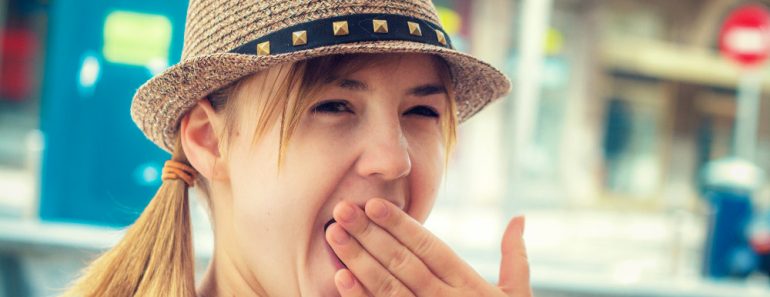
[380, 26]
[340, 28]
[263, 48]
[441, 37]
[299, 38]
[383, 27]
[414, 28]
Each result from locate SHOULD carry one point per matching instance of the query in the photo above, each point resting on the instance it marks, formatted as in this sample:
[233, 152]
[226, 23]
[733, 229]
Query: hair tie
[178, 170]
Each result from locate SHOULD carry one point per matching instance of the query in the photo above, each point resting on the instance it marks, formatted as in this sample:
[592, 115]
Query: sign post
[745, 39]
[730, 183]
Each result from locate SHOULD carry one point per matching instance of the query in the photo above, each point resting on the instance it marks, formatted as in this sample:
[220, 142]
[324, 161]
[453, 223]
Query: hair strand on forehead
[293, 87]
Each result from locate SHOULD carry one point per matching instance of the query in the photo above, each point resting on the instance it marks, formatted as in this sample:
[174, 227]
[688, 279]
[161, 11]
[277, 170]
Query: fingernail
[346, 280]
[346, 213]
[378, 209]
[520, 226]
[341, 236]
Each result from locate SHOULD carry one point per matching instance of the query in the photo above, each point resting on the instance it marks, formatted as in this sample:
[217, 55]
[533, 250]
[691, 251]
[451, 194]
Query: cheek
[252, 178]
[272, 213]
[428, 156]
[294, 193]
[322, 150]
[315, 163]
[426, 147]
[261, 202]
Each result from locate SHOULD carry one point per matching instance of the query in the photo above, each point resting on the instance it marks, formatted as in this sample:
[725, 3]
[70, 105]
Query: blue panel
[97, 166]
[727, 252]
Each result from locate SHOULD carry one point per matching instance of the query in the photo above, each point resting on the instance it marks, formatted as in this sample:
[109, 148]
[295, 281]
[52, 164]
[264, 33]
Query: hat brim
[159, 104]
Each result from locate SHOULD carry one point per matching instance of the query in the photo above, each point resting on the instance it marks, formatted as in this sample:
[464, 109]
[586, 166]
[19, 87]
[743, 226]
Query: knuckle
[366, 230]
[351, 254]
[440, 290]
[525, 269]
[396, 219]
[524, 260]
[430, 286]
[460, 282]
[399, 260]
[424, 244]
[522, 252]
[426, 279]
[388, 288]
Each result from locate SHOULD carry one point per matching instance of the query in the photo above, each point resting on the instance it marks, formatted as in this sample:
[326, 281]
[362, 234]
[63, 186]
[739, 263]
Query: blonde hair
[155, 257]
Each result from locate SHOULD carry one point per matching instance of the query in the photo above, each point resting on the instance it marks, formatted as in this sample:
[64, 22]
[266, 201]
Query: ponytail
[155, 257]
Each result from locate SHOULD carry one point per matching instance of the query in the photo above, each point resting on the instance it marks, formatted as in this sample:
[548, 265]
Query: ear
[200, 141]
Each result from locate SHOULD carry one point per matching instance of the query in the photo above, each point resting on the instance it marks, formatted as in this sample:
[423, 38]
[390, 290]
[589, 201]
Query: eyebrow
[419, 91]
[352, 85]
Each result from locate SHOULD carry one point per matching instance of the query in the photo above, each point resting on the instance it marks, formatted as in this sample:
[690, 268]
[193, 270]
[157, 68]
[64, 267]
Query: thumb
[514, 266]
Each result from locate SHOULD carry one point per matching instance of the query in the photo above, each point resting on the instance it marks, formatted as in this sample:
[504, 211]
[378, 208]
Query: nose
[385, 153]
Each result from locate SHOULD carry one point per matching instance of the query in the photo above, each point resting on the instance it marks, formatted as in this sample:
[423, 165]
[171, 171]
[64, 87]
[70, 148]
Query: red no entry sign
[745, 35]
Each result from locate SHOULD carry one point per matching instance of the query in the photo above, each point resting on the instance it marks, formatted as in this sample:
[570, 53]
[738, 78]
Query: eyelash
[332, 106]
[425, 111]
[337, 106]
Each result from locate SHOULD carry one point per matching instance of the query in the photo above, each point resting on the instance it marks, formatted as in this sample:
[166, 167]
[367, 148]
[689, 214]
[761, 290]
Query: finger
[347, 285]
[436, 255]
[388, 251]
[514, 265]
[367, 270]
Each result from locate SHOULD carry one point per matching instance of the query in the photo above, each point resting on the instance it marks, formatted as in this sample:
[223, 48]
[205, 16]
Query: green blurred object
[136, 38]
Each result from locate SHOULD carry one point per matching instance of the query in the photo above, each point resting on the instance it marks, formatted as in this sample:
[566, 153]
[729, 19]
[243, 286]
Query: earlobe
[200, 140]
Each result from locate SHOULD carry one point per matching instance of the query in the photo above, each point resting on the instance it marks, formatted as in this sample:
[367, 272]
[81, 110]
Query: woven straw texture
[215, 27]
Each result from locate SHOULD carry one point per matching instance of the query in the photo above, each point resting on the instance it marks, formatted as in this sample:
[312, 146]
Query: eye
[332, 106]
[422, 110]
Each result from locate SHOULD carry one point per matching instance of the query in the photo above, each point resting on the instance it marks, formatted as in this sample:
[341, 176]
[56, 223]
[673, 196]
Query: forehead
[388, 66]
[382, 69]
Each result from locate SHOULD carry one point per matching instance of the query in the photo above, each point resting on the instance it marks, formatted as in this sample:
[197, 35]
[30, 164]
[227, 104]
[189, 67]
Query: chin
[318, 278]
[320, 287]
[329, 292]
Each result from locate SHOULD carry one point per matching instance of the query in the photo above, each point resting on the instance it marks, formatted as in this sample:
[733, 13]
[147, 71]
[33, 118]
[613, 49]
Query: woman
[318, 132]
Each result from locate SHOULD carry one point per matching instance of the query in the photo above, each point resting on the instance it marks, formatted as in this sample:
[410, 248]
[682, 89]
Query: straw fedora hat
[226, 40]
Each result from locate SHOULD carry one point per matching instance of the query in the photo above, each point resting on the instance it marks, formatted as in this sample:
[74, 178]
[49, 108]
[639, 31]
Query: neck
[222, 278]
[226, 274]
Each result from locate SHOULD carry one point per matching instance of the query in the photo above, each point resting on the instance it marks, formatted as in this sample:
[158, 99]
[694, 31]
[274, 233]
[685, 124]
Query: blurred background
[635, 141]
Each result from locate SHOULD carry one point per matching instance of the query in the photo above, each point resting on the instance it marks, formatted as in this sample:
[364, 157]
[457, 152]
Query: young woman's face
[373, 133]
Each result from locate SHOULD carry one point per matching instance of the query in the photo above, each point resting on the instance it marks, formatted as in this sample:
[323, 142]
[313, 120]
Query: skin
[370, 139]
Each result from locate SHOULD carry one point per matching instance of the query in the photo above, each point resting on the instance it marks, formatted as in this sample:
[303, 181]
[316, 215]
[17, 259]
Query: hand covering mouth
[338, 263]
